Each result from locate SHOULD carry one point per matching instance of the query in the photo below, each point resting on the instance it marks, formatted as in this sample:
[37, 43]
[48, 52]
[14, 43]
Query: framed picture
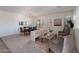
[20, 22]
[58, 22]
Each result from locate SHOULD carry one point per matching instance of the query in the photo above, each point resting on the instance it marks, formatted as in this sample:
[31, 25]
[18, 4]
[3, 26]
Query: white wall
[76, 22]
[8, 23]
[45, 19]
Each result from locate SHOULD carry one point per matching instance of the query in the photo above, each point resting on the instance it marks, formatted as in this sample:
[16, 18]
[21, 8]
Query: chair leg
[50, 51]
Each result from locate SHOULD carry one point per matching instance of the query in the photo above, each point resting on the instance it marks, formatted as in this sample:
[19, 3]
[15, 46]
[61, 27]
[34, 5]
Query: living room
[31, 29]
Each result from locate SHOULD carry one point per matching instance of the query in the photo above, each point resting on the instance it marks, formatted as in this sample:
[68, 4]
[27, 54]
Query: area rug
[20, 44]
[3, 47]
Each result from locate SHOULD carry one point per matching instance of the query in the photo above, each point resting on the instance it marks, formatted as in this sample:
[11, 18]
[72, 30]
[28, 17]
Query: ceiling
[36, 10]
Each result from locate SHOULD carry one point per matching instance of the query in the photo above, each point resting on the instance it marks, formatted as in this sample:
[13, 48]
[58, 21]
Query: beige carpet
[20, 44]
